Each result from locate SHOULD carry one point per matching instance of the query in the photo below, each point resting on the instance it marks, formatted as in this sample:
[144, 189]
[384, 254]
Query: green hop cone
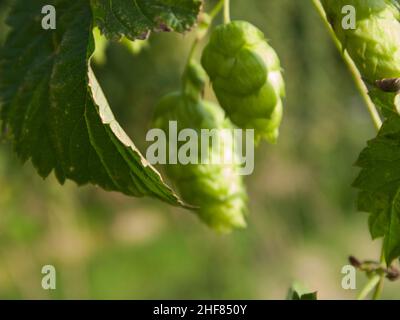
[216, 190]
[374, 45]
[246, 76]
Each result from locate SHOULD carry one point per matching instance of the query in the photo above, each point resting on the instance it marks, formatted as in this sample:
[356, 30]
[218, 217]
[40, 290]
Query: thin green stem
[227, 11]
[216, 10]
[375, 283]
[213, 13]
[352, 68]
[190, 57]
[379, 287]
[371, 284]
[192, 51]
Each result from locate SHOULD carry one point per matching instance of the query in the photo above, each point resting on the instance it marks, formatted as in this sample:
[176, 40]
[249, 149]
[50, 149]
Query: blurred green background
[303, 223]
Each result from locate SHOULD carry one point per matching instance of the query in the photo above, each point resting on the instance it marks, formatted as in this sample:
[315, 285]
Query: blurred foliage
[303, 222]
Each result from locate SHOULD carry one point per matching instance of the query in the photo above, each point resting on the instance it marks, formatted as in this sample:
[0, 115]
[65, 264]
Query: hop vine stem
[352, 68]
[374, 284]
[377, 281]
[216, 10]
[379, 286]
[227, 11]
[371, 284]
[213, 14]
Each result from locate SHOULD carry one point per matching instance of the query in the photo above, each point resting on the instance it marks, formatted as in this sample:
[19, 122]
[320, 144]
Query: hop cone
[374, 45]
[216, 189]
[246, 76]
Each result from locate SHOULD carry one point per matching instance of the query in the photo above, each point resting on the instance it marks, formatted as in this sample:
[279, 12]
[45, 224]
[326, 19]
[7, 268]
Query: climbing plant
[54, 112]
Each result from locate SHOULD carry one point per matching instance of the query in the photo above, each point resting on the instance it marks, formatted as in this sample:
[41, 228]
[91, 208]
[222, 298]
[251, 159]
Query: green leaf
[54, 109]
[135, 19]
[377, 204]
[379, 182]
[392, 238]
[298, 292]
[308, 296]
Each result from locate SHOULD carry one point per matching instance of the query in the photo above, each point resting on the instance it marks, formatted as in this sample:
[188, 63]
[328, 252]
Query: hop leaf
[379, 186]
[298, 292]
[136, 19]
[54, 110]
[246, 76]
[216, 189]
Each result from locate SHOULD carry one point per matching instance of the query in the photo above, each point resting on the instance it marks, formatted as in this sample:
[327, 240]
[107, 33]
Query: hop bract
[216, 189]
[246, 76]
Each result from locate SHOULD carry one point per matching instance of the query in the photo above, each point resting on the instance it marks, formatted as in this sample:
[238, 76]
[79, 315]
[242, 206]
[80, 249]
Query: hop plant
[374, 45]
[216, 190]
[246, 76]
